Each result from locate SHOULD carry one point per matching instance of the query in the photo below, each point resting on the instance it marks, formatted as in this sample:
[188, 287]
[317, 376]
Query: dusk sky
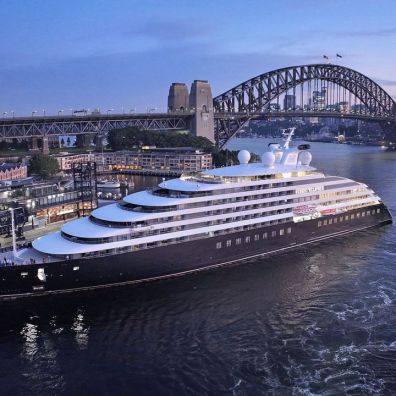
[125, 53]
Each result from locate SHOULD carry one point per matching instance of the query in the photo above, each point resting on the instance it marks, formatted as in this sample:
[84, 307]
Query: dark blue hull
[181, 258]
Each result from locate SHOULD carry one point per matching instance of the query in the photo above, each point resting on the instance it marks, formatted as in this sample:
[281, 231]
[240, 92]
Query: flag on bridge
[326, 57]
[339, 56]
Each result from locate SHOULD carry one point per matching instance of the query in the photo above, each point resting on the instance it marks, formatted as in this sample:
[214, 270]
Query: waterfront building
[289, 102]
[12, 171]
[66, 160]
[179, 159]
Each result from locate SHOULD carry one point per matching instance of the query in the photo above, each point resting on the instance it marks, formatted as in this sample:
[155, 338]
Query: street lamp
[132, 110]
[4, 114]
[60, 111]
[109, 110]
[34, 112]
[44, 112]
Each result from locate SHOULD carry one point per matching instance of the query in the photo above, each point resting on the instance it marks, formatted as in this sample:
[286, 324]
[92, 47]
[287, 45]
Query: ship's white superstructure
[282, 188]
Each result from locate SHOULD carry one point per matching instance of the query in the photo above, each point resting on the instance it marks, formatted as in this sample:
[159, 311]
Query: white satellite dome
[244, 157]
[268, 159]
[305, 157]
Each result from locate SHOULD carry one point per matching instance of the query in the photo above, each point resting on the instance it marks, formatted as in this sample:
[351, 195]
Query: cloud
[372, 33]
[175, 30]
[389, 83]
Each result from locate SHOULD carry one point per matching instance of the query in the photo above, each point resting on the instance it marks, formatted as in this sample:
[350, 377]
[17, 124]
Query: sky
[123, 54]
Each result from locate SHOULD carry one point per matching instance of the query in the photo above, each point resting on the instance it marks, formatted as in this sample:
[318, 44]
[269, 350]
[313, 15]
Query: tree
[43, 165]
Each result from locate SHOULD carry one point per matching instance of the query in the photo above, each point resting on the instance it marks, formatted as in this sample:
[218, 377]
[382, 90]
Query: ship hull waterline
[178, 259]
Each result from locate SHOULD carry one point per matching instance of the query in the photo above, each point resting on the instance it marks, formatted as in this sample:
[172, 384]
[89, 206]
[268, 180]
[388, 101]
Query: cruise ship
[214, 218]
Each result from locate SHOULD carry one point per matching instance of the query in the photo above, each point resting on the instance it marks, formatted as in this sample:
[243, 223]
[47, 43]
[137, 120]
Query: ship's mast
[14, 247]
[289, 137]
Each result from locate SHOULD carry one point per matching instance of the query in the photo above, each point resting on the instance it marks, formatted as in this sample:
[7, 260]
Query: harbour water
[317, 321]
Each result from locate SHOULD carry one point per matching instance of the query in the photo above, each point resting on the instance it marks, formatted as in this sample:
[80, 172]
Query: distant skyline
[125, 53]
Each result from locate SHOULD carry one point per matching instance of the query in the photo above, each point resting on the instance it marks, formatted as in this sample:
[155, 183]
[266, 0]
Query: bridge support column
[34, 144]
[99, 142]
[201, 102]
[45, 146]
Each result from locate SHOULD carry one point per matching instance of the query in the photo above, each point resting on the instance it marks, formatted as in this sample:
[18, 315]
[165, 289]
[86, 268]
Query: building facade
[12, 171]
[181, 159]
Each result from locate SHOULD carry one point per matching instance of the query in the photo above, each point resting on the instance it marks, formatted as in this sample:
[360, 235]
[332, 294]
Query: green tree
[43, 165]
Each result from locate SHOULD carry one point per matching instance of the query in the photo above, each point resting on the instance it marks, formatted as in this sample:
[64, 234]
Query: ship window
[273, 233]
[247, 239]
[288, 230]
[256, 237]
[319, 224]
[238, 241]
[282, 232]
[378, 210]
[265, 235]
[76, 268]
[324, 222]
[229, 243]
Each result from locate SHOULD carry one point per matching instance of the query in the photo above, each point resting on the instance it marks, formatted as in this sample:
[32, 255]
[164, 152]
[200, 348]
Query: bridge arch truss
[252, 98]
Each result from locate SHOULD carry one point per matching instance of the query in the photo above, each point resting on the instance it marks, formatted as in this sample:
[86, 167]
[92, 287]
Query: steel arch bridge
[252, 98]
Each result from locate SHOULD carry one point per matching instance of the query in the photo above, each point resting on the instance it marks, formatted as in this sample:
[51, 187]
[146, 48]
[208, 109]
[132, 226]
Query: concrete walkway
[32, 234]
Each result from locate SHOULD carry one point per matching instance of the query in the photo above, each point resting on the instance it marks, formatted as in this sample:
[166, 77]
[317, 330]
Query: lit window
[218, 245]
[335, 220]
[256, 237]
[347, 217]
[330, 221]
[378, 210]
[341, 219]
[357, 215]
[363, 214]
[282, 232]
[288, 230]
[352, 216]
[373, 211]
[273, 233]
[247, 239]
[238, 241]
[265, 235]
[324, 222]
[229, 243]
[319, 224]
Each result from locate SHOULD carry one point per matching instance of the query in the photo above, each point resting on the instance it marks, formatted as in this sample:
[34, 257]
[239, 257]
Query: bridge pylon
[178, 98]
[201, 103]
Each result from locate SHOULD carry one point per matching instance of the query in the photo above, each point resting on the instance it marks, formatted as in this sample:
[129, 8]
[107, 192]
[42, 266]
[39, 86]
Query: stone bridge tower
[178, 98]
[201, 103]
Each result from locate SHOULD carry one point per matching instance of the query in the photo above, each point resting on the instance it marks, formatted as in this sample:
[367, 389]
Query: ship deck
[25, 256]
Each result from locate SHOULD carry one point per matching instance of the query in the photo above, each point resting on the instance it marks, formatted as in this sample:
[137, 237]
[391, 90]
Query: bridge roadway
[28, 127]
[45, 126]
